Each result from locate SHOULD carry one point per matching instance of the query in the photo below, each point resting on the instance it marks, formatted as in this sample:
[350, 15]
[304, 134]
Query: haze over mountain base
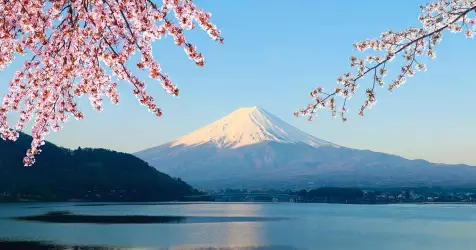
[251, 148]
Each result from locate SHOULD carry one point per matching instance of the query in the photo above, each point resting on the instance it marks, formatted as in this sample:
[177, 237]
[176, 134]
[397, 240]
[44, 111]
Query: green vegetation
[84, 174]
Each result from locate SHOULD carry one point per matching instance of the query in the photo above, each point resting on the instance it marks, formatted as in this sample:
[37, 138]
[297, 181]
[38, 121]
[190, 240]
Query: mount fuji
[252, 148]
[248, 126]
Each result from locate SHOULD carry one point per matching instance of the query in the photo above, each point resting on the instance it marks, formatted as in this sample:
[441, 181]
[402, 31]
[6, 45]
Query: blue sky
[275, 52]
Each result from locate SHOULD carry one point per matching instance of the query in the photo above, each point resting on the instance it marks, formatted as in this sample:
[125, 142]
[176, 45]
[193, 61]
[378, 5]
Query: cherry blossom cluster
[436, 17]
[74, 44]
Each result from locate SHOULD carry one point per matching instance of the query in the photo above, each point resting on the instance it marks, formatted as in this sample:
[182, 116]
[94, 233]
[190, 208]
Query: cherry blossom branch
[69, 39]
[436, 17]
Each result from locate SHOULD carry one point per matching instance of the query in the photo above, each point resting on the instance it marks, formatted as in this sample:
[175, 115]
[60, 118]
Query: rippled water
[250, 226]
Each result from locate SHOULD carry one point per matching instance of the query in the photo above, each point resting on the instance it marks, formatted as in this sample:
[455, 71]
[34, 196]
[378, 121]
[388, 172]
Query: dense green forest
[61, 174]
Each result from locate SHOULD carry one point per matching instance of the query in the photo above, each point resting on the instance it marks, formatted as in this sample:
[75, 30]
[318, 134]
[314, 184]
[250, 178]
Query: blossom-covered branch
[73, 43]
[437, 17]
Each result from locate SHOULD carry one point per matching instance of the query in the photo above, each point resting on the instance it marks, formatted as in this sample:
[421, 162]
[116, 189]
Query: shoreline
[112, 203]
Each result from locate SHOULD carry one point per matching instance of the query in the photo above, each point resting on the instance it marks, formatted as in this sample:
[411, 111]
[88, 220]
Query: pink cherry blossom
[74, 43]
[412, 45]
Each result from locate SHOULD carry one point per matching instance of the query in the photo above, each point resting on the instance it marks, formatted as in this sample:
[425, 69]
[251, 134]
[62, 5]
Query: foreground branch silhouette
[73, 43]
[437, 17]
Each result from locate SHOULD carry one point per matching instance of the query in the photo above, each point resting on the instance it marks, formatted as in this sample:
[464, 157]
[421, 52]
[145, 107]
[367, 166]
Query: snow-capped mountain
[247, 126]
[251, 147]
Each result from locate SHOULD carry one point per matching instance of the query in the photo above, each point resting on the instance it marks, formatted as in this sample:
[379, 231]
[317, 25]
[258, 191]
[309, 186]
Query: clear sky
[275, 52]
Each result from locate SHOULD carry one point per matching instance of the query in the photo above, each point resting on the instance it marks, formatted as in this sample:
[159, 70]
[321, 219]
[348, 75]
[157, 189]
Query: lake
[233, 226]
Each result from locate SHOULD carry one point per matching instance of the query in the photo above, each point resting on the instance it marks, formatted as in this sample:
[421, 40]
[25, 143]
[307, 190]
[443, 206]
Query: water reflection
[310, 226]
[68, 217]
[244, 234]
[37, 245]
[33, 245]
[238, 248]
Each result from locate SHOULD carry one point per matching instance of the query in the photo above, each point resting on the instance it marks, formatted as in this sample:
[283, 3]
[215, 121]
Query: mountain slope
[90, 174]
[252, 148]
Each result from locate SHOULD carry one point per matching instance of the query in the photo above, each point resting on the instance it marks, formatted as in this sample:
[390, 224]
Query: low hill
[61, 174]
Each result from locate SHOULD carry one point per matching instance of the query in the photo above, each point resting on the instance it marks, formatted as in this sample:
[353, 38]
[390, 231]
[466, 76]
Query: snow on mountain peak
[247, 126]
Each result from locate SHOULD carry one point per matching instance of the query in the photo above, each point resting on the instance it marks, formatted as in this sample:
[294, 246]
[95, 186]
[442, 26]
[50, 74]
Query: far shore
[114, 203]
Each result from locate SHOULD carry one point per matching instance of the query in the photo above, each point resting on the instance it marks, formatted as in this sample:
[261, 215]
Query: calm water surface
[307, 226]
